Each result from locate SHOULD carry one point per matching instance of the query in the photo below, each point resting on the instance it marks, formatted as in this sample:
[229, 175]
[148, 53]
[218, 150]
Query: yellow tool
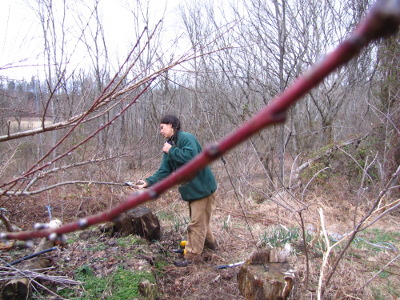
[180, 251]
[182, 245]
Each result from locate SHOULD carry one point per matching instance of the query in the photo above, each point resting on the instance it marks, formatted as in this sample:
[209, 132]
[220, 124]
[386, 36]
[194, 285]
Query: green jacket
[186, 148]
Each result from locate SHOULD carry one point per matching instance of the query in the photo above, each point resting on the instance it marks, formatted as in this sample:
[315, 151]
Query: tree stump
[148, 290]
[261, 279]
[140, 221]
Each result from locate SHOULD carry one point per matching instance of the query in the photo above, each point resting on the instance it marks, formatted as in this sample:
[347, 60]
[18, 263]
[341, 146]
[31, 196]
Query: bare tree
[386, 104]
[93, 103]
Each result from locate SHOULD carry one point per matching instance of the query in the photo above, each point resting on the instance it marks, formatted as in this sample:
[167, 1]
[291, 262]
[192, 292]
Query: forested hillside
[87, 121]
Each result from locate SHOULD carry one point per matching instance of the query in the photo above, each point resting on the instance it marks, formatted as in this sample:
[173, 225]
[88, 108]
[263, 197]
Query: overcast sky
[21, 42]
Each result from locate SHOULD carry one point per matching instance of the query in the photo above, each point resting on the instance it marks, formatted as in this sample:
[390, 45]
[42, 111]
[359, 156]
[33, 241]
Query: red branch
[383, 19]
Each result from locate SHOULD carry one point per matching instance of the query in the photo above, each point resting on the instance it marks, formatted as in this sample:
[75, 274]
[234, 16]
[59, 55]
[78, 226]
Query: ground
[240, 228]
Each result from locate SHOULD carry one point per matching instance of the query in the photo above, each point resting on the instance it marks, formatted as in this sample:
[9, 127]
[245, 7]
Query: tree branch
[383, 19]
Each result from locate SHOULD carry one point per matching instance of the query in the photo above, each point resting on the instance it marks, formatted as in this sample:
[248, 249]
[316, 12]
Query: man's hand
[141, 184]
[166, 147]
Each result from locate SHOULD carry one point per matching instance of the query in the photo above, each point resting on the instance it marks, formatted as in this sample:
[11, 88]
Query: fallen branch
[7, 273]
[19, 287]
[72, 182]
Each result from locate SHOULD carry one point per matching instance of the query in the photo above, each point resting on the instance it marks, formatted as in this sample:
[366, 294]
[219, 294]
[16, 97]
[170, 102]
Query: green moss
[384, 274]
[121, 284]
[98, 247]
[130, 240]
[347, 161]
[125, 283]
[160, 265]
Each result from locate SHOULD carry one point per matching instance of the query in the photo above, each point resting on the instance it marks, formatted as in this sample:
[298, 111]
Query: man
[179, 148]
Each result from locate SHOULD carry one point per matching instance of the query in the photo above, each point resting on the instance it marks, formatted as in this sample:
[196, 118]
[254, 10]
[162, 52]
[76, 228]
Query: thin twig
[325, 258]
[303, 230]
[380, 271]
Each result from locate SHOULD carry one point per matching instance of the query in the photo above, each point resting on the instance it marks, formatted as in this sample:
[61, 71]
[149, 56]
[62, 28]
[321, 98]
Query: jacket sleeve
[163, 171]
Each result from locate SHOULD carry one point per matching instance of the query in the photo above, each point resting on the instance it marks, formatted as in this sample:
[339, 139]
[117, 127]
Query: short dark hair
[173, 120]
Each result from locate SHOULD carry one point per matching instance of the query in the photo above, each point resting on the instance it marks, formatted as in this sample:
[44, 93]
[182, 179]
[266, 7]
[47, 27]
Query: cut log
[20, 289]
[17, 289]
[261, 279]
[139, 221]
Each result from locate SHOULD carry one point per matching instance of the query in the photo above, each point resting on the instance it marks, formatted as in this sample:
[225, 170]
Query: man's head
[169, 125]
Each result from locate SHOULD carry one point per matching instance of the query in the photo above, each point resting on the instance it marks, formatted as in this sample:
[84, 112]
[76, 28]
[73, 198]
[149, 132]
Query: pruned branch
[59, 184]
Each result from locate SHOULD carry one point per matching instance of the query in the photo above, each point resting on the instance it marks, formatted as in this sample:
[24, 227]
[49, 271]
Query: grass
[368, 244]
[98, 247]
[160, 266]
[393, 290]
[180, 224]
[278, 236]
[125, 283]
[122, 281]
[385, 290]
[378, 240]
[130, 240]
[369, 247]
[121, 284]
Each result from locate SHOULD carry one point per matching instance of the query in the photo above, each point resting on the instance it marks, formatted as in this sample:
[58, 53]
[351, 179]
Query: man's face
[166, 130]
